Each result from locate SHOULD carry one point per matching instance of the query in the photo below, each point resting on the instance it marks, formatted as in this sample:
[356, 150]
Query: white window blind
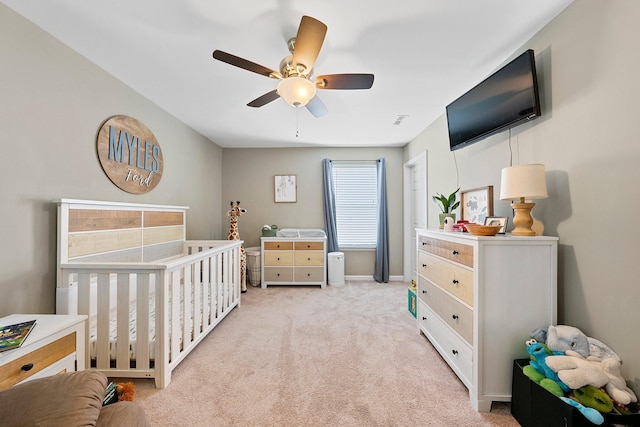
[356, 203]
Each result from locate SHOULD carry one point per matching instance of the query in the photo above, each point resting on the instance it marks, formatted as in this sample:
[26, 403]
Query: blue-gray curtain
[381, 273]
[329, 206]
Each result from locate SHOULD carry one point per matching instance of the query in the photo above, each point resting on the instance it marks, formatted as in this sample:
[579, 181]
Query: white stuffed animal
[576, 371]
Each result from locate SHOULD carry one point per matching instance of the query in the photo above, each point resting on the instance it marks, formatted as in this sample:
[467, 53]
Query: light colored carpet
[305, 356]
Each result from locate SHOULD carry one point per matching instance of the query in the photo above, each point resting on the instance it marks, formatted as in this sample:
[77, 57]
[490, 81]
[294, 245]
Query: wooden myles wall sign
[130, 154]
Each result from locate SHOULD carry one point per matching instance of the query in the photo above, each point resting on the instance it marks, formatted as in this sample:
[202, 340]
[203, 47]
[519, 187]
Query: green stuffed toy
[594, 397]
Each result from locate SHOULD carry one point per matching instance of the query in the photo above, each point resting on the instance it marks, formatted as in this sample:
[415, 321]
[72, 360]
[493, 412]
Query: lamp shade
[296, 91]
[527, 181]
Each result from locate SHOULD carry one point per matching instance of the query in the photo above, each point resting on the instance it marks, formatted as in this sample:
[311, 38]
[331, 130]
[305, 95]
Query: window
[355, 186]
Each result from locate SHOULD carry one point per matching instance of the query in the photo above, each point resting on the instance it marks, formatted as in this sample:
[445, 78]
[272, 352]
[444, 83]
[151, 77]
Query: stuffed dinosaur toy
[577, 371]
[539, 372]
[561, 338]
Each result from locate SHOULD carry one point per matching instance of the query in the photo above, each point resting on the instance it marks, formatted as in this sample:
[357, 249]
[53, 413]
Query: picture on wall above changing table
[285, 188]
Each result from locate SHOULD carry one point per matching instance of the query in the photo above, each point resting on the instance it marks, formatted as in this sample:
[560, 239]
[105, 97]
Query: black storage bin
[533, 406]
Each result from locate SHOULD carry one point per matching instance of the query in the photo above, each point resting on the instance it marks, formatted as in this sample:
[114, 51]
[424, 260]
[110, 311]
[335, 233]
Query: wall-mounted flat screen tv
[505, 99]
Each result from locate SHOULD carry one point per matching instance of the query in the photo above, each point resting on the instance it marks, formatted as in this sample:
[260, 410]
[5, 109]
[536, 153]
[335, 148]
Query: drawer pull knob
[424, 291]
[455, 281]
[424, 265]
[424, 318]
[454, 352]
[308, 274]
[308, 259]
[424, 243]
[278, 259]
[455, 252]
[455, 317]
[308, 246]
[27, 367]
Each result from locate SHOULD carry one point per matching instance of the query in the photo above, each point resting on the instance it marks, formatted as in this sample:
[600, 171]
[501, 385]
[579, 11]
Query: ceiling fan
[296, 85]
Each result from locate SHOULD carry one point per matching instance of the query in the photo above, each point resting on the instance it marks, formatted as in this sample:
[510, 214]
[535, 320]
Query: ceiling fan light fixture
[296, 91]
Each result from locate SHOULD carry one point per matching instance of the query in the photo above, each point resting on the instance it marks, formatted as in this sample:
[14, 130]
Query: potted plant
[447, 205]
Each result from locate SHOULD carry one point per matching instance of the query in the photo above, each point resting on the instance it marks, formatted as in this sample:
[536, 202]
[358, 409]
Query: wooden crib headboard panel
[94, 231]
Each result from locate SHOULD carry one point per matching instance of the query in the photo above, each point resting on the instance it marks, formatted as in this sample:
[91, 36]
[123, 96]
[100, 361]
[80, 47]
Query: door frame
[408, 231]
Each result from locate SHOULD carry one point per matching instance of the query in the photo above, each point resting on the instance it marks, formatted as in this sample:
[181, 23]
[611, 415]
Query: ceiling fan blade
[245, 64]
[264, 99]
[317, 107]
[309, 40]
[344, 81]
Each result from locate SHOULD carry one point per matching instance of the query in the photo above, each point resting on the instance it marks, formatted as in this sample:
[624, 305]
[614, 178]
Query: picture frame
[285, 188]
[497, 220]
[476, 204]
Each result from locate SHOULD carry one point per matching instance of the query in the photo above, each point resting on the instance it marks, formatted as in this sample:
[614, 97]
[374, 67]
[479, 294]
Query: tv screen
[503, 100]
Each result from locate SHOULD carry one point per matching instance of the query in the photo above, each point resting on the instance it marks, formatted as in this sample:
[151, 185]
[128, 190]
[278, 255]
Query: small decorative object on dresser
[483, 230]
[447, 205]
[471, 291]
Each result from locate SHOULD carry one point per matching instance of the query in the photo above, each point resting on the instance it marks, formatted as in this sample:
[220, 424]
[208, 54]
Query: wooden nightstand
[55, 345]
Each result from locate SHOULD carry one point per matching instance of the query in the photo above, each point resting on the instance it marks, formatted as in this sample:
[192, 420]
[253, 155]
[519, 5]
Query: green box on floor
[412, 302]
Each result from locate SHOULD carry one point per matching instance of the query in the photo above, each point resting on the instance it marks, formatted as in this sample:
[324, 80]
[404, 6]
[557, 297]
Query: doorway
[415, 209]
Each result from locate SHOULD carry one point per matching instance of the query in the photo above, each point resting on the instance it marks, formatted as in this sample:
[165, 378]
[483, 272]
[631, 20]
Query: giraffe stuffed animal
[234, 234]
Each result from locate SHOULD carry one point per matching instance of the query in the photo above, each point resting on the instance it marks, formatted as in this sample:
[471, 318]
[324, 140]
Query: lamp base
[522, 219]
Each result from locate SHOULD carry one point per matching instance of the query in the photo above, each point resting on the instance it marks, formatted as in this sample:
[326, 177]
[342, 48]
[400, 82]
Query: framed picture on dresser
[497, 220]
[476, 204]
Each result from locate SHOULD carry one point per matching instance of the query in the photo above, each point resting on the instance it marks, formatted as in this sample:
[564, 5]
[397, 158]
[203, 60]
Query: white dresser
[55, 345]
[479, 298]
[294, 261]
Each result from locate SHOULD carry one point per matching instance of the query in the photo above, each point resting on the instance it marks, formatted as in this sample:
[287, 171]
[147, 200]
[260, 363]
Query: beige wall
[248, 176]
[52, 103]
[588, 140]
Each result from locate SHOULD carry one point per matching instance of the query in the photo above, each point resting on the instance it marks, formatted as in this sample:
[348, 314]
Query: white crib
[150, 295]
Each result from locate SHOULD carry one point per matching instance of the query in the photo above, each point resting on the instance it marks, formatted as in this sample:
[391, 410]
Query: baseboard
[369, 278]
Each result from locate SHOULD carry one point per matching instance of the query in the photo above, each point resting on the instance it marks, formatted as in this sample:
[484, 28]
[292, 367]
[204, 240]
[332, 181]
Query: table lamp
[523, 182]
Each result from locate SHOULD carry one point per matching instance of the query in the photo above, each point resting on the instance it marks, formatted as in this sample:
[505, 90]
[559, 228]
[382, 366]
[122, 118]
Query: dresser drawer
[310, 246]
[454, 251]
[278, 274]
[451, 277]
[308, 258]
[309, 274]
[453, 312]
[278, 246]
[455, 351]
[278, 258]
[68, 364]
[40, 359]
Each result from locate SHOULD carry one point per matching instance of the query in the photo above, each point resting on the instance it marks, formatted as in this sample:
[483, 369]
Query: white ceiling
[424, 54]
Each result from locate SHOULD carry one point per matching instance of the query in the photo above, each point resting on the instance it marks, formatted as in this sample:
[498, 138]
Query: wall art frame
[285, 188]
[476, 204]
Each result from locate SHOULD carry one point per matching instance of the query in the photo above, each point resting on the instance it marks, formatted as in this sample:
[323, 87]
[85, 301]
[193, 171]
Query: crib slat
[84, 304]
[187, 308]
[174, 289]
[142, 321]
[102, 325]
[206, 298]
[197, 299]
[122, 321]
